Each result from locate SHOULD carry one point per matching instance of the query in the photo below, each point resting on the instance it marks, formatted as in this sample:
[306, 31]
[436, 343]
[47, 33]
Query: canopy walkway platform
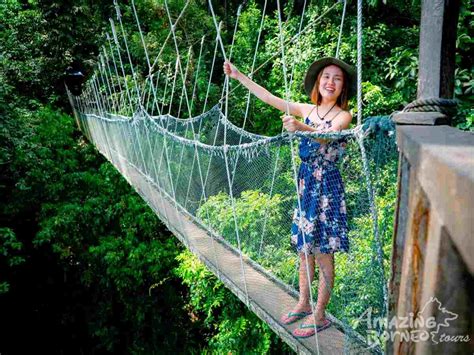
[228, 195]
[266, 296]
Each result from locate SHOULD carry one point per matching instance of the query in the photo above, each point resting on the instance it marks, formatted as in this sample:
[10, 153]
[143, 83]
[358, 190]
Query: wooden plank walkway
[266, 297]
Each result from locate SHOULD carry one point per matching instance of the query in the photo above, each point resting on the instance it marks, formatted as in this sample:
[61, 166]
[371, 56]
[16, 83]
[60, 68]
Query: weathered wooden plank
[398, 244]
[413, 262]
[443, 158]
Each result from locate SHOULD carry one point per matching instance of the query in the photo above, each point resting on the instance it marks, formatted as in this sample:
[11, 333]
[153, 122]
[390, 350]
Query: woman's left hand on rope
[291, 124]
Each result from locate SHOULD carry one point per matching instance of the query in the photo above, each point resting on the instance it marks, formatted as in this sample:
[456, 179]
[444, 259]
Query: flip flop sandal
[295, 316]
[319, 328]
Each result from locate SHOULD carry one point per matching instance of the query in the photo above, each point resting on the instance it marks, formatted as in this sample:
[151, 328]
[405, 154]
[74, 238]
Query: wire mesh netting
[252, 207]
[243, 193]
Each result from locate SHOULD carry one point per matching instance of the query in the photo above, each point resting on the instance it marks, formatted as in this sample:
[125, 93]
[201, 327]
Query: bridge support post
[432, 265]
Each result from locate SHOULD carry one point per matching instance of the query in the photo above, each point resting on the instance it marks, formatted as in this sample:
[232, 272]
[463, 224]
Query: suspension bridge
[229, 195]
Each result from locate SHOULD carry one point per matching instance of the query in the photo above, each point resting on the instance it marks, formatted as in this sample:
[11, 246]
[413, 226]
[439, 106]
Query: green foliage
[250, 209]
[70, 226]
[10, 248]
[464, 73]
[102, 236]
[232, 326]
[254, 211]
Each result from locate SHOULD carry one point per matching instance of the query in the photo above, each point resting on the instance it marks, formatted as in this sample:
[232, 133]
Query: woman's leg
[326, 283]
[303, 304]
[304, 283]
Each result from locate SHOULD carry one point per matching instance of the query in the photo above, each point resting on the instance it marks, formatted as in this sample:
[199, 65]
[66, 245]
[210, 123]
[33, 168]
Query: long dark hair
[343, 99]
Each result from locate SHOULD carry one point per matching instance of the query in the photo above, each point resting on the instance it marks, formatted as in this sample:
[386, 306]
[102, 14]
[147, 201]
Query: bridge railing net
[240, 187]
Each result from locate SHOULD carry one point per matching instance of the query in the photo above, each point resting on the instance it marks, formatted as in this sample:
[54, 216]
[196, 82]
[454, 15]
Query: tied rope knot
[444, 106]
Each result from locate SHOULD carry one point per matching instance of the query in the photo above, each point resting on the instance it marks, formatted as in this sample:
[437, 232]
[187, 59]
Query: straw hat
[318, 65]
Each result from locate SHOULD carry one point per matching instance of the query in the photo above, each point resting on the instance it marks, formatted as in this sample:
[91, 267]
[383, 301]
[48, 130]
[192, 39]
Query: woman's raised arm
[295, 109]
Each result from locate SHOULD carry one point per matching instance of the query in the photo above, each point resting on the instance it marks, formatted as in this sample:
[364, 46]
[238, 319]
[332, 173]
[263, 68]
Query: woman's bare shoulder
[306, 109]
[343, 120]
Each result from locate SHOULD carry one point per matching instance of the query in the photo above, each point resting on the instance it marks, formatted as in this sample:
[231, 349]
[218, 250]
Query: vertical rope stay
[374, 213]
[164, 152]
[117, 47]
[151, 89]
[196, 155]
[179, 110]
[203, 197]
[160, 123]
[106, 60]
[105, 81]
[277, 158]
[247, 104]
[172, 27]
[236, 26]
[141, 36]
[175, 76]
[139, 97]
[293, 163]
[359, 62]
[211, 72]
[196, 79]
[163, 98]
[109, 40]
[231, 195]
[340, 28]
[134, 76]
[184, 80]
[360, 139]
[168, 36]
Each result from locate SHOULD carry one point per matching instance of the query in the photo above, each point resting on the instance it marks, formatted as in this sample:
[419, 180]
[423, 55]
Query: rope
[374, 213]
[211, 72]
[116, 70]
[168, 37]
[445, 106]
[277, 158]
[229, 178]
[340, 29]
[183, 78]
[184, 82]
[293, 39]
[193, 95]
[293, 164]
[359, 62]
[117, 46]
[183, 87]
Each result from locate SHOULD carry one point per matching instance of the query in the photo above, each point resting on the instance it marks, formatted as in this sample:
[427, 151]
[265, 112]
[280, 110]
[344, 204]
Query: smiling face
[331, 85]
[331, 82]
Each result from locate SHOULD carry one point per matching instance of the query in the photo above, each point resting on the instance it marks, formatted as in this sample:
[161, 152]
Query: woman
[319, 226]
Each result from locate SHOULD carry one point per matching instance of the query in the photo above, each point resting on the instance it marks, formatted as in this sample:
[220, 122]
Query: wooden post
[439, 19]
[433, 229]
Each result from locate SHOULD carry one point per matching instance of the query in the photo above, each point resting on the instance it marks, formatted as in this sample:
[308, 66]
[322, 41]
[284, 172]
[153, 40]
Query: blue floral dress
[322, 224]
